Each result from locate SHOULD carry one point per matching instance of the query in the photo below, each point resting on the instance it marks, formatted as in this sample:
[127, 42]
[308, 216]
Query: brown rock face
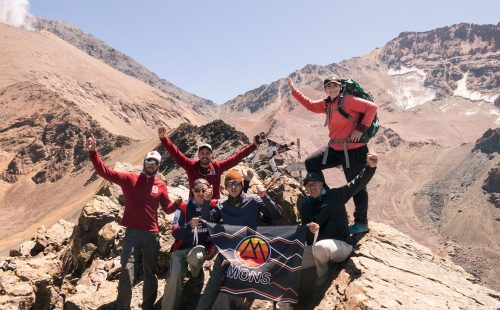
[447, 53]
[389, 270]
[48, 139]
[489, 143]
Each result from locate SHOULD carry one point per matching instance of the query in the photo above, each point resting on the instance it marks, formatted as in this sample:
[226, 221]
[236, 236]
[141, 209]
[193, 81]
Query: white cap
[153, 155]
[205, 145]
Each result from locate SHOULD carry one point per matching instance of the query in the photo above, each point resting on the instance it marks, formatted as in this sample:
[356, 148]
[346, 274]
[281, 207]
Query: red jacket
[142, 195]
[192, 167]
[340, 127]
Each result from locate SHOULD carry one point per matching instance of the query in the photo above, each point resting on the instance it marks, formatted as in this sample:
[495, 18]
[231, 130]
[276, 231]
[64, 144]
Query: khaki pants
[323, 252]
[180, 261]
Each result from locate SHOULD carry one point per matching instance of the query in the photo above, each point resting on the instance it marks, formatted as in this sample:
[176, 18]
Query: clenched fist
[371, 160]
[162, 131]
[90, 143]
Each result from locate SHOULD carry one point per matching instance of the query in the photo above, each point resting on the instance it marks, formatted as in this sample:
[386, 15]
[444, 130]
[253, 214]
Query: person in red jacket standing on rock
[143, 193]
[344, 147]
[205, 167]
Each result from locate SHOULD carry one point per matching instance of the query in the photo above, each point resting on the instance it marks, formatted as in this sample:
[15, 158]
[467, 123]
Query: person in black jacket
[324, 213]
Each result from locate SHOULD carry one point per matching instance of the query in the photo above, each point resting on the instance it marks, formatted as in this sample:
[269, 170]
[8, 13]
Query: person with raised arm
[143, 194]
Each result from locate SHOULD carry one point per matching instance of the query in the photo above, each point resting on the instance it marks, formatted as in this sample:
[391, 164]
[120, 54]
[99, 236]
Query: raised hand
[261, 190]
[207, 195]
[162, 131]
[248, 175]
[90, 143]
[257, 139]
[179, 200]
[290, 85]
[371, 160]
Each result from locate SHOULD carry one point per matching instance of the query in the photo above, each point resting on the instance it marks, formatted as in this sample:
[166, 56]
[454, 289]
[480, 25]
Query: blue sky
[221, 49]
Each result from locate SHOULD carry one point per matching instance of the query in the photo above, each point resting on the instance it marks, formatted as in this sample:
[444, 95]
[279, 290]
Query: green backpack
[351, 87]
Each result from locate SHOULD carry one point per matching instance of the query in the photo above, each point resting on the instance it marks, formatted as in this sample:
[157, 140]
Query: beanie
[233, 175]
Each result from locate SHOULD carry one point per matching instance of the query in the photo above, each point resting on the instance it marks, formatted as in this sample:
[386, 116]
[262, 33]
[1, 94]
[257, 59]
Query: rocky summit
[72, 266]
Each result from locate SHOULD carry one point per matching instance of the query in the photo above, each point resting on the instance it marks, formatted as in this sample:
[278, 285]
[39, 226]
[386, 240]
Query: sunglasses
[199, 190]
[151, 161]
[233, 184]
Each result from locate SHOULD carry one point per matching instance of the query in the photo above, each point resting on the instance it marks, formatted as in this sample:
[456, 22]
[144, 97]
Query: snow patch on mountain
[408, 87]
[462, 91]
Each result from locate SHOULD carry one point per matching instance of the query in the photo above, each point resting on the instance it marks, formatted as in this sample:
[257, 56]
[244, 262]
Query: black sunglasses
[233, 184]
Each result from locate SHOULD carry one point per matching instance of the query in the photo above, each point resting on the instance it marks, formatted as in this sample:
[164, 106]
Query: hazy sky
[220, 49]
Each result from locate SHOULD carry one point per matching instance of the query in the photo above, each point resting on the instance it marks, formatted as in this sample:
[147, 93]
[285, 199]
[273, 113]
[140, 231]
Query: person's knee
[341, 253]
[320, 253]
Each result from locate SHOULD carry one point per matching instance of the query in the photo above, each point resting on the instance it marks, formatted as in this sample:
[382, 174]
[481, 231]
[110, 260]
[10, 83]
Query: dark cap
[331, 79]
[311, 176]
[205, 146]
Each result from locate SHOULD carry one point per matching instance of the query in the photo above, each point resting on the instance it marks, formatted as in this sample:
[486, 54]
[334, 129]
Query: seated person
[237, 209]
[324, 212]
[192, 243]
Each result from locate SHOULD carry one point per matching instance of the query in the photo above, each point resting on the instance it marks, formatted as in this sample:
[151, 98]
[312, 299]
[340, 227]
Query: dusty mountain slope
[121, 104]
[123, 63]
[51, 96]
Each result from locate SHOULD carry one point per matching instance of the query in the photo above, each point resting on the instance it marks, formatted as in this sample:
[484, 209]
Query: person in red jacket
[143, 193]
[344, 147]
[205, 167]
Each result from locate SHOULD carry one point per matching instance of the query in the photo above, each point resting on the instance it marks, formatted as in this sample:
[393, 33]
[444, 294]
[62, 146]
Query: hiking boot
[359, 228]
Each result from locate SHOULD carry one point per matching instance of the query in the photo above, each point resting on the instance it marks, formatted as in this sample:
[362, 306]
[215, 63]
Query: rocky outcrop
[48, 143]
[389, 270]
[449, 54]
[492, 186]
[489, 143]
[121, 62]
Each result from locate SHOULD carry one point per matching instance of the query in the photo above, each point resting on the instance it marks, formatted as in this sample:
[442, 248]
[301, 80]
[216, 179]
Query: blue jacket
[246, 213]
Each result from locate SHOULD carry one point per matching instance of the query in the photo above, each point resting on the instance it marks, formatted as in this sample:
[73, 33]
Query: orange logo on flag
[253, 251]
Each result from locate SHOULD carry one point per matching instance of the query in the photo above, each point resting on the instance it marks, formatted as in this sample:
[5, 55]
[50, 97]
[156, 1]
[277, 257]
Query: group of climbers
[323, 210]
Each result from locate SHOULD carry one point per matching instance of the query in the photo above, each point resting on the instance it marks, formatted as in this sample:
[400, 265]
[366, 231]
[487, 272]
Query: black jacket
[328, 210]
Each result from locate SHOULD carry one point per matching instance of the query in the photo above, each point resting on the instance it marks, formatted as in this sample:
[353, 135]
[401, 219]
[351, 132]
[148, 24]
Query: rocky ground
[77, 266]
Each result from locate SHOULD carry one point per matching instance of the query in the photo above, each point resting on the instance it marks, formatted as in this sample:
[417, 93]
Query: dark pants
[357, 160]
[135, 242]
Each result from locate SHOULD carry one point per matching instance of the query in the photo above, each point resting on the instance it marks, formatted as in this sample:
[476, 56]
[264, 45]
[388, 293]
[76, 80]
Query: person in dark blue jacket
[238, 209]
[192, 243]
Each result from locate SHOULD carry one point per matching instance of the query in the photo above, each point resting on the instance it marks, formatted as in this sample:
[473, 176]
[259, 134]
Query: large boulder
[389, 270]
[489, 142]
[97, 213]
[14, 293]
[109, 240]
[24, 249]
[53, 239]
